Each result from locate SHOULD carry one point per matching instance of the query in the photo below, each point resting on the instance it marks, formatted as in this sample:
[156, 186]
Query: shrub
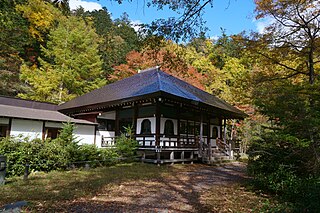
[279, 165]
[108, 156]
[40, 155]
[53, 154]
[126, 146]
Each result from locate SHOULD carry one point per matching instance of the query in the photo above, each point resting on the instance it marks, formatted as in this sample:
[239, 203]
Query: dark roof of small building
[12, 101]
[146, 83]
[10, 111]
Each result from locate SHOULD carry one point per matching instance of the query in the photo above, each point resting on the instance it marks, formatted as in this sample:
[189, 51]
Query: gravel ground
[181, 191]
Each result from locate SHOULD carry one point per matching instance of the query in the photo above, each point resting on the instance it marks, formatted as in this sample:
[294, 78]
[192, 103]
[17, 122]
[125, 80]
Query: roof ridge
[158, 79]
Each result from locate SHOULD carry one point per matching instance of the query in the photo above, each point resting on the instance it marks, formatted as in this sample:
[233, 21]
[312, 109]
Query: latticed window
[145, 127]
[168, 128]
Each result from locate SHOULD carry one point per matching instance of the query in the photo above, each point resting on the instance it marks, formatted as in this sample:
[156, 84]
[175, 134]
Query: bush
[40, 155]
[57, 154]
[126, 146]
[89, 153]
[279, 165]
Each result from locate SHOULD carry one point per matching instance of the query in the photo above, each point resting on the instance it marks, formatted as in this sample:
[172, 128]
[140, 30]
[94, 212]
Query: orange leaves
[169, 61]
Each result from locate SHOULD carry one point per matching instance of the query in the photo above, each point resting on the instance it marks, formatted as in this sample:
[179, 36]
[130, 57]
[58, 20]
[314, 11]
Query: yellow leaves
[41, 16]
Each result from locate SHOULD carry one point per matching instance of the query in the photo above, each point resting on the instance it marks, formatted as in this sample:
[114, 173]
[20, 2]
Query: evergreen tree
[70, 65]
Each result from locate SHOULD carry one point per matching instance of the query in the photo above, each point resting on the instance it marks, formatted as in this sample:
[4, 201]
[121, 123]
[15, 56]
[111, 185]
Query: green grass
[49, 188]
[47, 191]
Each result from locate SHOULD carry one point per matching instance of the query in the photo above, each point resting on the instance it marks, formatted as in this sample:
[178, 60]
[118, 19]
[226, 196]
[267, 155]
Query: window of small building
[168, 128]
[106, 124]
[145, 127]
[215, 131]
[4, 130]
[52, 132]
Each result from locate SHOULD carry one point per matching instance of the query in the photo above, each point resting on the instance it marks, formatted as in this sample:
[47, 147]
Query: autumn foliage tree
[293, 36]
[170, 58]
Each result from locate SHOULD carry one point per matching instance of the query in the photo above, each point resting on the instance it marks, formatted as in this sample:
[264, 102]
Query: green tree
[14, 39]
[70, 65]
[118, 37]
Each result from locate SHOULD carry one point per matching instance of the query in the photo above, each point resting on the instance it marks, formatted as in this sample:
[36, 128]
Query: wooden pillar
[201, 127]
[201, 135]
[117, 127]
[224, 130]
[209, 145]
[182, 157]
[95, 135]
[135, 117]
[9, 127]
[209, 131]
[191, 157]
[221, 127]
[158, 122]
[143, 156]
[178, 127]
[43, 130]
[172, 157]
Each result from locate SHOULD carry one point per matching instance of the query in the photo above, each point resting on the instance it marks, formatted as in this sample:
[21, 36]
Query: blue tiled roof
[145, 83]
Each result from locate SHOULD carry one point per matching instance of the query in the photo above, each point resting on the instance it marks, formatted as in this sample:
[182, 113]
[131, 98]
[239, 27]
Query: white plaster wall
[214, 141]
[100, 134]
[153, 124]
[84, 133]
[27, 128]
[4, 120]
[108, 115]
[175, 125]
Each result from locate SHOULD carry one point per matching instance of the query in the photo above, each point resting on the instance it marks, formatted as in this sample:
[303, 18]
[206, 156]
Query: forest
[49, 53]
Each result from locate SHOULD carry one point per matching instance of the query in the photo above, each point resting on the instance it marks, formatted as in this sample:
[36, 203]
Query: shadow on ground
[180, 190]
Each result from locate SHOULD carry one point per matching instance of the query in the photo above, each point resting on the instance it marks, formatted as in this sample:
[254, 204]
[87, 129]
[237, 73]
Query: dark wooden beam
[158, 120]
[9, 127]
[135, 117]
[117, 127]
[43, 130]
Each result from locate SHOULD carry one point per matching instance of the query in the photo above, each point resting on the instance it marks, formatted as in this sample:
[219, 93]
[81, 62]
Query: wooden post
[9, 128]
[172, 157]
[43, 130]
[143, 156]
[182, 157]
[135, 117]
[158, 123]
[209, 146]
[191, 157]
[201, 130]
[95, 135]
[26, 172]
[224, 130]
[178, 128]
[117, 127]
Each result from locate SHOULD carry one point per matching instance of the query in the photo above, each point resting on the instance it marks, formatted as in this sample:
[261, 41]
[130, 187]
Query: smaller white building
[35, 119]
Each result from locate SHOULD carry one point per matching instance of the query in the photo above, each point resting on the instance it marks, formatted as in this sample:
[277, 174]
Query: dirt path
[182, 191]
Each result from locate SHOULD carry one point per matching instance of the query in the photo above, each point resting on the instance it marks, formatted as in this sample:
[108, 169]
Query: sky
[234, 16]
